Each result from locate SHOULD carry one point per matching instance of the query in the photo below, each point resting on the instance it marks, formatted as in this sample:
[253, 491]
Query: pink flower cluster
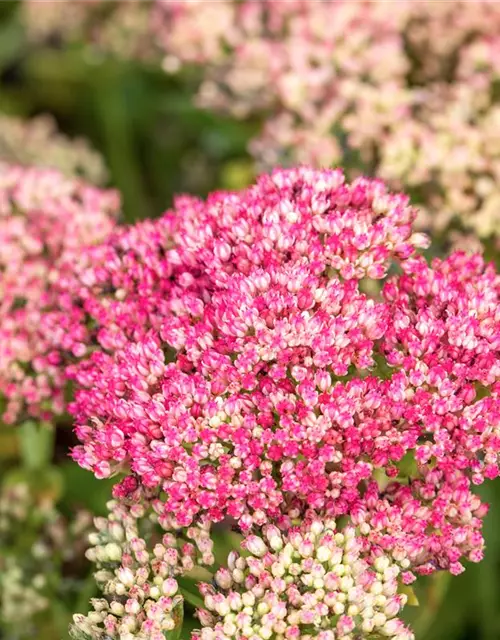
[45, 219]
[169, 267]
[404, 90]
[285, 351]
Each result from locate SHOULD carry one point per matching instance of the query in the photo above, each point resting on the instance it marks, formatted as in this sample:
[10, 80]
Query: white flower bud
[248, 599]
[95, 617]
[117, 608]
[222, 608]
[113, 552]
[323, 554]
[382, 563]
[266, 632]
[379, 619]
[126, 576]
[256, 546]
[94, 539]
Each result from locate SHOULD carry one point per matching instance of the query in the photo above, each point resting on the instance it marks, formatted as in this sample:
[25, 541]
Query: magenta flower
[273, 378]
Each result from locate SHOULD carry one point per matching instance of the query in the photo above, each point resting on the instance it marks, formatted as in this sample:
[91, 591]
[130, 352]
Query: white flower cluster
[141, 599]
[314, 582]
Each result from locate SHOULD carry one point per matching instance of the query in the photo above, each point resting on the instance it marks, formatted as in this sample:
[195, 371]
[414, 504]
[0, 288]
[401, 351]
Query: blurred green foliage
[143, 121]
[156, 143]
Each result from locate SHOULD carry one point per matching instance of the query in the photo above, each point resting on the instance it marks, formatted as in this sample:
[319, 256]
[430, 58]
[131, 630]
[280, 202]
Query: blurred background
[85, 92]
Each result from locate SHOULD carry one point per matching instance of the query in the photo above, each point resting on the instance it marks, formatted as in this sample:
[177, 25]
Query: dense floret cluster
[114, 28]
[45, 220]
[405, 90]
[38, 142]
[140, 598]
[293, 395]
[36, 542]
[312, 583]
[284, 356]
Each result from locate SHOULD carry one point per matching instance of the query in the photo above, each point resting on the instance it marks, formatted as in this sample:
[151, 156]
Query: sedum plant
[405, 90]
[39, 549]
[283, 362]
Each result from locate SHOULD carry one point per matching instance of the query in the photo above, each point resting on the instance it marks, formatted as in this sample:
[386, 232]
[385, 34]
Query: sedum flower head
[314, 582]
[413, 97]
[169, 267]
[35, 542]
[283, 380]
[121, 29]
[38, 142]
[40, 325]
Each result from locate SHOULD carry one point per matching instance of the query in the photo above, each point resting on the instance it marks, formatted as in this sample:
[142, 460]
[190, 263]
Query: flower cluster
[293, 216]
[169, 267]
[35, 541]
[315, 582]
[281, 361]
[140, 593]
[38, 142]
[405, 89]
[284, 355]
[127, 283]
[45, 218]
[119, 28]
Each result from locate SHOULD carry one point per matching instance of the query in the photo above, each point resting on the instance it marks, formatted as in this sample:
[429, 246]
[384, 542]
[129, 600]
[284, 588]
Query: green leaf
[190, 624]
[224, 542]
[408, 591]
[408, 465]
[112, 107]
[36, 441]
[432, 592]
[190, 592]
[84, 489]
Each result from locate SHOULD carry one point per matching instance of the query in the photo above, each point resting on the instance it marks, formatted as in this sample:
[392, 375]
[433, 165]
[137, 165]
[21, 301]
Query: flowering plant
[118, 28]
[45, 218]
[404, 90]
[283, 361]
[38, 545]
